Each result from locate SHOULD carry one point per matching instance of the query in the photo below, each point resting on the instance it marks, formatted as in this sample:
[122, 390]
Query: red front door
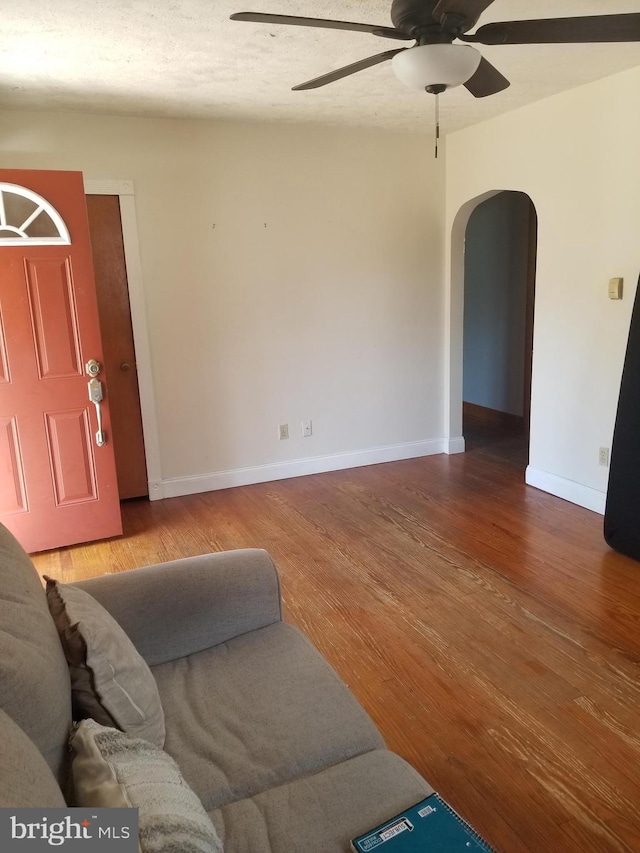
[57, 476]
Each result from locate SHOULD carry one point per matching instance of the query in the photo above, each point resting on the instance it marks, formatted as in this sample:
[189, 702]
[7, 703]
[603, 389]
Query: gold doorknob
[125, 366]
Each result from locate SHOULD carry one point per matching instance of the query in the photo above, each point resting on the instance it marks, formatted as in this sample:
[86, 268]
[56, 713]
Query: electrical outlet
[603, 456]
[307, 429]
[283, 431]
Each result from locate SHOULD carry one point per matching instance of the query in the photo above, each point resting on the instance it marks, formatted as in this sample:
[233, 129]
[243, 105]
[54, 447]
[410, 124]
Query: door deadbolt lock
[96, 396]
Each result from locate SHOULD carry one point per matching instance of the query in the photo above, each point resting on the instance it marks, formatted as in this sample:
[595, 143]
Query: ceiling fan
[434, 63]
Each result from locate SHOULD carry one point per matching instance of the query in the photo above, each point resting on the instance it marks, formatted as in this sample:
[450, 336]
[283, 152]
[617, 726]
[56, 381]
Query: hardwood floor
[506, 440]
[485, 625]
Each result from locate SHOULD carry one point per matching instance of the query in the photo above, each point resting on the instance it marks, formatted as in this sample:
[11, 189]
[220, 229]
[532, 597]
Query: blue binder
[431, 826]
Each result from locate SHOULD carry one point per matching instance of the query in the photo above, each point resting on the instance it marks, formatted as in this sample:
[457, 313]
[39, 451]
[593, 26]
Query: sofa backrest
[35, 690]
[26, 780]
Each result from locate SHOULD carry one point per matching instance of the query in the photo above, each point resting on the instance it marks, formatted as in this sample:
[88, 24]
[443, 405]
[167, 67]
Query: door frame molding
[454, 323]
[124, 189]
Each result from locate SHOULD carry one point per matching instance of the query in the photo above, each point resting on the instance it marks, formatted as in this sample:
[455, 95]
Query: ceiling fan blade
[347, 70]
[486, 81]
[469, 10]
[293, 20]
[594, 28]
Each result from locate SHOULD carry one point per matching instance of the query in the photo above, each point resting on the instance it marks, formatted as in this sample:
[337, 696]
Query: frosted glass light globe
[436, 65]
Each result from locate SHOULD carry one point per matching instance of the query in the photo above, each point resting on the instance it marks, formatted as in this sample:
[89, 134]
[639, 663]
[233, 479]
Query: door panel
[53, 317]
[58, 486]
[69, 439]
[12, 493]
[4, 373]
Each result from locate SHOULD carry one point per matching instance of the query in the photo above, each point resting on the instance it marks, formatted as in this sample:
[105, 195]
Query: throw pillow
[111, 769]
[110, 681]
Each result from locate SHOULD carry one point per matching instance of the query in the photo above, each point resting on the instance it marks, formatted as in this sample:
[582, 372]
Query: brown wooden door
[57, 478]
[117, 334]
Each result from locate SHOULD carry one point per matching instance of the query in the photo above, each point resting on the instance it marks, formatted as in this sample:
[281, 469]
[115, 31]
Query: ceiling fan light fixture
[436, 65]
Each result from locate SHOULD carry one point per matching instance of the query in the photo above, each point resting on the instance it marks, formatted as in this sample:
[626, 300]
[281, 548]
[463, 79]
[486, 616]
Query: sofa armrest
[175, 609]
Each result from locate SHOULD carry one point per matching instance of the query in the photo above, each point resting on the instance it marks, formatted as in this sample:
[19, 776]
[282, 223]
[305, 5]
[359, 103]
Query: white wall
[496, 260]
[576, 155]
[318, 294]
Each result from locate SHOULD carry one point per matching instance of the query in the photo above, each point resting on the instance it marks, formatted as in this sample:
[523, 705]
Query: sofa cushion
[26, 780]
[114, 770]
[323, 812]
[110, 682]
[34, 678]
[258, 711]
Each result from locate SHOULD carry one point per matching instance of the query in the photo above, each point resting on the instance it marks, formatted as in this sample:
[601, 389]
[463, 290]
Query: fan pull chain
[437, 98]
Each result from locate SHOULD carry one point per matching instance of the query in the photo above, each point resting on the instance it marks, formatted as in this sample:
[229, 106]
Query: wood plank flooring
[486, 627]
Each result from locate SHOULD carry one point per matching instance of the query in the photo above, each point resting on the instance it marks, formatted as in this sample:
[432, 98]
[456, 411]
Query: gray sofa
[278, 750]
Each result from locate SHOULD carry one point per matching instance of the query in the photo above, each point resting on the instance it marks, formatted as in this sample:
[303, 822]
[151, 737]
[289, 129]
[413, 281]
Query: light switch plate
[615, 288]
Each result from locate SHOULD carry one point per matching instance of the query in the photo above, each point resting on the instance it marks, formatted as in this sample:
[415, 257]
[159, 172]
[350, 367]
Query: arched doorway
[499, 290]
[493, 252]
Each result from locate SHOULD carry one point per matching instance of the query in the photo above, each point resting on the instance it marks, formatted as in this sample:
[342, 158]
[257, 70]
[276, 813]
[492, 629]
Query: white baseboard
[175, 487]
[454, 445]
[568, 490]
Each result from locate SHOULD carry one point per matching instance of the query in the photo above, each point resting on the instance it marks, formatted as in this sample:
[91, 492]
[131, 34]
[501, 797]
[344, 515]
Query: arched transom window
[27, 217]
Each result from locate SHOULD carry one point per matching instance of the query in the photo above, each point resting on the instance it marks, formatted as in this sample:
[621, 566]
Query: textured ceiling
[185, 58]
